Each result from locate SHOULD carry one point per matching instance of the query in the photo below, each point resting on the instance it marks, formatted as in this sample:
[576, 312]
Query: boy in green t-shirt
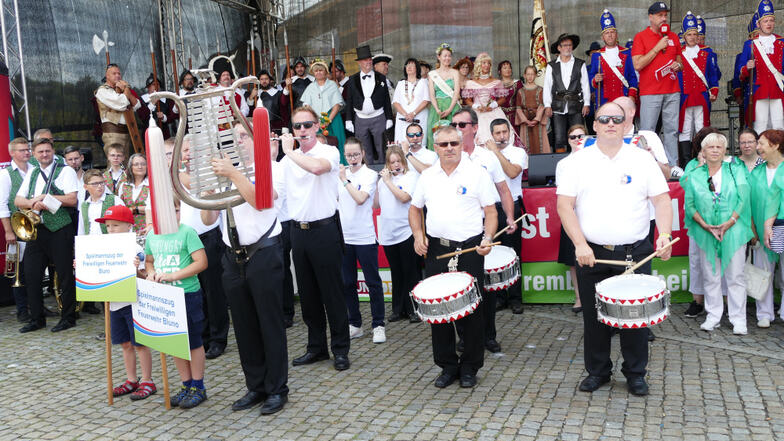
[176, 259]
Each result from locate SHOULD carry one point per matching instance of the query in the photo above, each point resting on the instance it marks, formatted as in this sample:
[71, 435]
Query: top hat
[363, 53]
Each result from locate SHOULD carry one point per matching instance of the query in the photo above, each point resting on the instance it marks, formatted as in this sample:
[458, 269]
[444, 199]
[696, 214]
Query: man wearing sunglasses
[458, 194]
[418, 157]
[310, 174]
[603, 194]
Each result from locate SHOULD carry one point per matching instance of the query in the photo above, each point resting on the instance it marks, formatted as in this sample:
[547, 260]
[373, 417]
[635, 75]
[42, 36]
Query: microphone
[664, 29]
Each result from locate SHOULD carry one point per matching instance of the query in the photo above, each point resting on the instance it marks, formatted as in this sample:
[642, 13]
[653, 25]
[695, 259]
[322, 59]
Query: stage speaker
[541, 168]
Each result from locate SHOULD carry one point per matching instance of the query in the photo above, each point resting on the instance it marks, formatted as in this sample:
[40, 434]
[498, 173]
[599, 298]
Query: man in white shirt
[49, 184]
[419, 158]
[603, 194]
[460, 199]
[316, 238]
[566, 94]
[513, 161]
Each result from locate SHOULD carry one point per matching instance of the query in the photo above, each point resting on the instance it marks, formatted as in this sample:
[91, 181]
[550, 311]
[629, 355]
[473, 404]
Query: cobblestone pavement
[703, 386]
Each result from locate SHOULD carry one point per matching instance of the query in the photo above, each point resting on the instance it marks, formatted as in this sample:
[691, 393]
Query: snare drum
[632, 301]
[446, 297]
[502, 268]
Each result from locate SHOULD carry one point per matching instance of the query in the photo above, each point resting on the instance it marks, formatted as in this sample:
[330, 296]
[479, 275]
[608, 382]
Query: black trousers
[216, 330]
[513, 294]
[257, 313]
[318, 258]
[56, 247]
[443, 334]
[404, 269]
[288, 279]
[561, 124]
[634, 342]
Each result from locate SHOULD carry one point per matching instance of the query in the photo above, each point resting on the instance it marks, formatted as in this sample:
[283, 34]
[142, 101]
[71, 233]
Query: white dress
[410, 96]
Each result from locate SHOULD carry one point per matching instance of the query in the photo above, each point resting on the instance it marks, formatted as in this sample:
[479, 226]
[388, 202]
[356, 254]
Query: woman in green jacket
[717, 199]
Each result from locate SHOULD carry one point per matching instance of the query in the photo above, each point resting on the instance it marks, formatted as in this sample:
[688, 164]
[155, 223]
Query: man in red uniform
[656, 56]
[612, 71]
[761, 60]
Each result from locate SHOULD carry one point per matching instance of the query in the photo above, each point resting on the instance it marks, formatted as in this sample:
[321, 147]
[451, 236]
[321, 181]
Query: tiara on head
[443, 46]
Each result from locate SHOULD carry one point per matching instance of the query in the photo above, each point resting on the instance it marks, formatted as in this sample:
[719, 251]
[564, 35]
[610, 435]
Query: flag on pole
[540, 47]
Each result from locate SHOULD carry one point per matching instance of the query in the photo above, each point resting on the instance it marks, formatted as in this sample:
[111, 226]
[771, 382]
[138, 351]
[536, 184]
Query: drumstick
[507, 227]
[468, 250]
[642, 262]
[614, 262]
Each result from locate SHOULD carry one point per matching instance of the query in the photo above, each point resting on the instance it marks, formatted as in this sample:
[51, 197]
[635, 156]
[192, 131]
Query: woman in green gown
[444, 91]
[323, 96]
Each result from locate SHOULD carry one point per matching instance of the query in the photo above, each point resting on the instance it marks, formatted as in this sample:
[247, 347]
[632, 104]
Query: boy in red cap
[119, 219]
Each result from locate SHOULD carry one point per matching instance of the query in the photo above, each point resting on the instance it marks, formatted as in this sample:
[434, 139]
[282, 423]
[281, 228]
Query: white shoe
[739, 330]
[709, 325]
[355, 332]
[763, 323]
[379, 336]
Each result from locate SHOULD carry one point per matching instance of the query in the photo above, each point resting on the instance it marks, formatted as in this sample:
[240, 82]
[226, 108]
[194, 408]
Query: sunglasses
[573, 137]
[616, 119]
[711, 187]
[448, 143]
[307, 125]
[414, 135]
[461, 124]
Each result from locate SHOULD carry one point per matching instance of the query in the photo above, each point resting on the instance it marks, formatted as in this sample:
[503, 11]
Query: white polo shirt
[517, 156]
[277, 183]
[423, 155]
[191, 217]
[612, 194]
[251, 223]
[393, 226]
[310, 197]
[357, 220]
[454, 202]
[66, 181]
[487, 160]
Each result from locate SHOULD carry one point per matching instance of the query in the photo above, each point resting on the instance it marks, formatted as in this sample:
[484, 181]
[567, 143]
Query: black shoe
[637, 386]
[651, 337]
[467, 380]
[445, 379]
[274, 404]
[49, 313]
[309, 358]
[695, 310]
[62, 325]
[492, 346]
[91, 309]
[517, 309]
[215, 351]
[249, 400]
[289, 322]
[460, 346]
[341, 362]
[592, 382]
[577, 309]
[413, 318]
[23, 317]
[32, 326]
[395, 318]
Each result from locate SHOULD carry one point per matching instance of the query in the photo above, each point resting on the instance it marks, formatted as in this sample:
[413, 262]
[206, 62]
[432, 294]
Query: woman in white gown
[411, 100]
[481, 94]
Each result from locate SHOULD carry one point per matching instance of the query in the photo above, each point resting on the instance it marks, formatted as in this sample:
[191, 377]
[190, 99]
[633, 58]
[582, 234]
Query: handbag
[777, 238]
[757, 279]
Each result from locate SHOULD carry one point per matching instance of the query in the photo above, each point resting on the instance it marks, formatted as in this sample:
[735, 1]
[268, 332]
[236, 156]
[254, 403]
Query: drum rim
[514, 262]
[444, 297]
[662, 285]
[634, 325]
[453, 317]
[503, 285]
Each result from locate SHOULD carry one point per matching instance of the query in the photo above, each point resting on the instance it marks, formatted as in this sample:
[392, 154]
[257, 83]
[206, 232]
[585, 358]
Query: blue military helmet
[753, 23]
[700, 25]
[764, 9]
[689, 22]
[607, 21]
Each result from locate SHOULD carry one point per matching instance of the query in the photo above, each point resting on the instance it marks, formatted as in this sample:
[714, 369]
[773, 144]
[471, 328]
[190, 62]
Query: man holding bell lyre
[603, 193]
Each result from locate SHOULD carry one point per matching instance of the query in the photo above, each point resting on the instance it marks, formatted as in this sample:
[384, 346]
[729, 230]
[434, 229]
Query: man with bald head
[603, 194]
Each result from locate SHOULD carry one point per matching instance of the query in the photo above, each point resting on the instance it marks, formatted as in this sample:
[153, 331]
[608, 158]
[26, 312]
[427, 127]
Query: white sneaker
[739, 330]
[355, 332]
[709, 325]
[379, 336]
[763, 323]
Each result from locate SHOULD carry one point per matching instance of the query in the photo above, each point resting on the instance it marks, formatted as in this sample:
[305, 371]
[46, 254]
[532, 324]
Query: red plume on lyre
[262, 160]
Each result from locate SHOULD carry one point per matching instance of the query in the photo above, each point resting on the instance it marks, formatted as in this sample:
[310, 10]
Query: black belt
[455, 244]
[627, 247]
[314, 224]
[251, 249]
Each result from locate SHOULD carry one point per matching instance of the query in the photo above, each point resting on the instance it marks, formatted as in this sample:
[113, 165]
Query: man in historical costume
[225, 70]
[381, 65]
[740, 89]
[566, 89]
[113, 98]
[273, 100]
[761, 61]
[700, 31]
[699, 87]
[611, 70]
[162, 109]
[187, 84]
[299, 81]
[368, 107]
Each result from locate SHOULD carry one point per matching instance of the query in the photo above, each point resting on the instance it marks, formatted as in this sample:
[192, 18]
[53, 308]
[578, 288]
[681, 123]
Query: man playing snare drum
[458, 194]
[603, 194]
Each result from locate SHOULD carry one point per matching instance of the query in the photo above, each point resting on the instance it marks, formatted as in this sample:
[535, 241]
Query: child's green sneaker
[194, 397]
[177, 398]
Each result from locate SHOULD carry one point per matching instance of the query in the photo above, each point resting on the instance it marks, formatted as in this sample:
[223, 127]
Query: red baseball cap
[117, 212]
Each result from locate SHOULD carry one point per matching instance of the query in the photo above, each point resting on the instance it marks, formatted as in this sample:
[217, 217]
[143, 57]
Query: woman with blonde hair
[444, 88]
[324, 97]
[482, 94]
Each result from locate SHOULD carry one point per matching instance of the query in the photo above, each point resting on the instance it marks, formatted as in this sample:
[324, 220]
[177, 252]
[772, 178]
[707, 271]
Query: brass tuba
[24, 224]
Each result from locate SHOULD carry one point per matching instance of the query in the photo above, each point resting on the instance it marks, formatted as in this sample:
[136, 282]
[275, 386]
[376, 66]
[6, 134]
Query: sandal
[143, 391]
[125, 388]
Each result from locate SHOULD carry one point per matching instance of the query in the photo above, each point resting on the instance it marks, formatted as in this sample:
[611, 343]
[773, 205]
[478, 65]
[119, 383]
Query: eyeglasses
[447, 143]
[97, 184]
[573, 137]
[414, 135]
[353, 155]
[306, 124]
[461, 124]
[616, 119]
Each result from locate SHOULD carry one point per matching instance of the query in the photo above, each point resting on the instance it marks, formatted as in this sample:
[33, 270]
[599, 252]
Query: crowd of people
[442, 155]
